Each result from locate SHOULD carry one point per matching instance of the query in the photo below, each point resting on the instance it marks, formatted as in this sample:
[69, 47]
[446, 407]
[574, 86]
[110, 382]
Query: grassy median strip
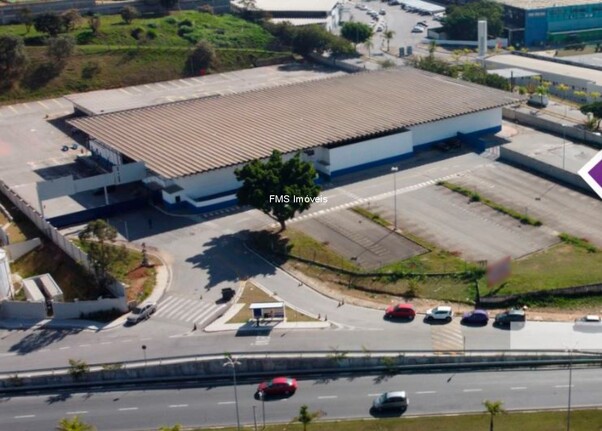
[578, 242]
[476, 197]
[581, 420]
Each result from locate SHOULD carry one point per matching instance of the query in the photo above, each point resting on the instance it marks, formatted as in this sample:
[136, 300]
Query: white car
[418, 29]
[441, 312]
[142, 312]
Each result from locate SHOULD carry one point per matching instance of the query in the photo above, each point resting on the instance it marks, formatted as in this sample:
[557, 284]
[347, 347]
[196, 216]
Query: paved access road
[346, 397]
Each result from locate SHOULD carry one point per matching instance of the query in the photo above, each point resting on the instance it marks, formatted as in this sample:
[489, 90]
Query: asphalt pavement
[135, 408]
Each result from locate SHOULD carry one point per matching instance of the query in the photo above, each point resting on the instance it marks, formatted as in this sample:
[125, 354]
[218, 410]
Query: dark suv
[510, 316]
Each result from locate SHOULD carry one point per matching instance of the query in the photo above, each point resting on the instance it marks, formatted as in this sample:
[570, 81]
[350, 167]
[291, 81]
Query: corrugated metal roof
[545, 4]
[193, 136]
[299, 21]
[294, 5]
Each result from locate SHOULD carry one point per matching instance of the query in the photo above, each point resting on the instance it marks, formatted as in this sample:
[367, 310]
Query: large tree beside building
[278, 188]
[356, 32]
[461, 21]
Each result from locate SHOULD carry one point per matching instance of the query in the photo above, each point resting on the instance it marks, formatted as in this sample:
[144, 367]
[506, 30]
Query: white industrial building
[341, 124]
[300, 12]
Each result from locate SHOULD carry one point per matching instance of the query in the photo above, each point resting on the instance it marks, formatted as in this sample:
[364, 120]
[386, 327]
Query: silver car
[142, 312]
[391, 401]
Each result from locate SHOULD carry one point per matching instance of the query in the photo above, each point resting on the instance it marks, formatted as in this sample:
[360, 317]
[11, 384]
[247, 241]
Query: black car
[510, 316]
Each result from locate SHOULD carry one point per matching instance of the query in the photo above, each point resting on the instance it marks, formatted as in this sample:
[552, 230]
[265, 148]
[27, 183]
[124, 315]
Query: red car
[403, 311]
[278, 386]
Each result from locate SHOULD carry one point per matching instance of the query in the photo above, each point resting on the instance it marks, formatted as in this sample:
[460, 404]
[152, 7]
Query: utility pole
[231, 362]
[394, 169]
[568, 411]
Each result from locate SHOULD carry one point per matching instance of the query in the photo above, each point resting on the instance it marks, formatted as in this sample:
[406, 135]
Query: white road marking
[127, 409]
[176, 406]
[25, 416]
[64, 348]
[107, 342]
[327, 397]
[44, 106]
[84, 345]
[123, 90]
[426, 392]
[472, 390]
[80, 412]
[518, 388]
[564, 386]
[221, 403]
[8, 354]
[12, 108]
[373, 395]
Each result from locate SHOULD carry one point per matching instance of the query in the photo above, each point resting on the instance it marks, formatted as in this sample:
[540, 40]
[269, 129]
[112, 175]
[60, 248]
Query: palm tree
[74, 424]
[494, 408]
[388, 35]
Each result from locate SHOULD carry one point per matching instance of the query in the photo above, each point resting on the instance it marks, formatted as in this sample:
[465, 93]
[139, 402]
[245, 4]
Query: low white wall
[449, 127]
[22, 310]
[73, 310]
[369, 151]
[209, 183]
[15, 251]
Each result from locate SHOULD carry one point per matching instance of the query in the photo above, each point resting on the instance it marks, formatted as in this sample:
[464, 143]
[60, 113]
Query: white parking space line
[177, 406]
[472, 390]
[327, 397]
[25, 416]
[12, 108]
[518, 388]
[123, 90]
[58, 103]
[221, 403]
[128, 409]
[426, 392]
[165, 87]
[42, 104]
[188, 84]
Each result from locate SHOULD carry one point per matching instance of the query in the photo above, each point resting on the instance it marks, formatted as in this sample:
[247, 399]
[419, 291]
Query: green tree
[78, 368]
[494, 408]
[202, 57]
[356, 32]
[26, 18]
[388, 35]
[49, 23]
[74, 424]
[128, 13]
[13, 60]
[60, 48]
[596, 109]
[266, 183]
[94, 23]
[97, 239]
[71, 19]
[461, 21]
[339, 47]
[311, 38]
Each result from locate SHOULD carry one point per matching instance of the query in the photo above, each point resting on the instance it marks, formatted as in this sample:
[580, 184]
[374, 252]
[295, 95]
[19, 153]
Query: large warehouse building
[341, 124]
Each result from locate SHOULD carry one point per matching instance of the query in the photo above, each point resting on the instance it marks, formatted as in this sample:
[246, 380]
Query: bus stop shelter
[268, 310]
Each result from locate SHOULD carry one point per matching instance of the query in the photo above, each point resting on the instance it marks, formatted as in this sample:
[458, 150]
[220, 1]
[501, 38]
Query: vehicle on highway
[417, 29]
[382, 12]
[278, 386]
[475, 317]
[142, 312]
[393, 2]
[589, 323]
[441, 312]
[510, 316]
[396, 400]
[379, 28]
[400, 311]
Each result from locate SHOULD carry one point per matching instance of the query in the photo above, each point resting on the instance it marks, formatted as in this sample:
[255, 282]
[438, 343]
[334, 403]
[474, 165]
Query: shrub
[128, 14]
[137, 33]
[183, 30]
[84, 37]
[186, 22]
[152, 25]
[151, 34]
[90, 69]
[171, 20]
[36, 40]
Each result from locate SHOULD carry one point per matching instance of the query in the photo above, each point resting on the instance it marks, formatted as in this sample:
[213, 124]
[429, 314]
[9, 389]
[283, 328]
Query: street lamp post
[564, 126]
[568, 411]
[394, 169]
[231, 362]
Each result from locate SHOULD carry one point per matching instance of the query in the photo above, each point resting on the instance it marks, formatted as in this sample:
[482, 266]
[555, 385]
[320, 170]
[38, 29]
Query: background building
[301, 12]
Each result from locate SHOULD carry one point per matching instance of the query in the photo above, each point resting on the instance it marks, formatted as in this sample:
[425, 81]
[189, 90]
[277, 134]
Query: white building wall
[105, 152]
[6, 289]
[443, 129]
[209, 183]
[370, 151]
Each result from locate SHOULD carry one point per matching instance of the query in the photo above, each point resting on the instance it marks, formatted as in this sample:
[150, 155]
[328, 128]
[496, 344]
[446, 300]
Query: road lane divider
[425, 392]
[327, 397]
[128, 409]
[472, 390]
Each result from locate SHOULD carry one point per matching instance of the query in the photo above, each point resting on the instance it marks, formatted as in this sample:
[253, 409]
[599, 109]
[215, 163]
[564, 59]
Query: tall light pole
[394, 169]
[231, 362]
[564, 126]
[568, 410]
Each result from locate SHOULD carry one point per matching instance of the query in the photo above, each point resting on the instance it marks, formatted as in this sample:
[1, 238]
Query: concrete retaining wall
[257, 365]
[22, 310]
[531, 163]
[15, 251]
[74, 310]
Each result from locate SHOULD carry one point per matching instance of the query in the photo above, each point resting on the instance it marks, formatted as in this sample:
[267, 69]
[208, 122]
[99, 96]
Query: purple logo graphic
[592, 173]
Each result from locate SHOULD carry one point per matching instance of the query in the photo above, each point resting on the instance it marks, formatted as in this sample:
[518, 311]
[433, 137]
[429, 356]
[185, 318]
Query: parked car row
[282, 387]
[445, 313]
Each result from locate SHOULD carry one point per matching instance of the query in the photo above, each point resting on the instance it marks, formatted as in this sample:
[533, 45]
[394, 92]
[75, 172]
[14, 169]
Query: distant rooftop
[512, 72]
[545, 4]
[543, 66]
[295, 5]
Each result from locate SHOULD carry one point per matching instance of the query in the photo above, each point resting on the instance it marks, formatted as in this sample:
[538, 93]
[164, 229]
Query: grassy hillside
[113, 58]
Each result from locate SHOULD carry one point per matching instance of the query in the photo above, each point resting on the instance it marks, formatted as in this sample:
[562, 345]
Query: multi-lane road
[134, 408]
